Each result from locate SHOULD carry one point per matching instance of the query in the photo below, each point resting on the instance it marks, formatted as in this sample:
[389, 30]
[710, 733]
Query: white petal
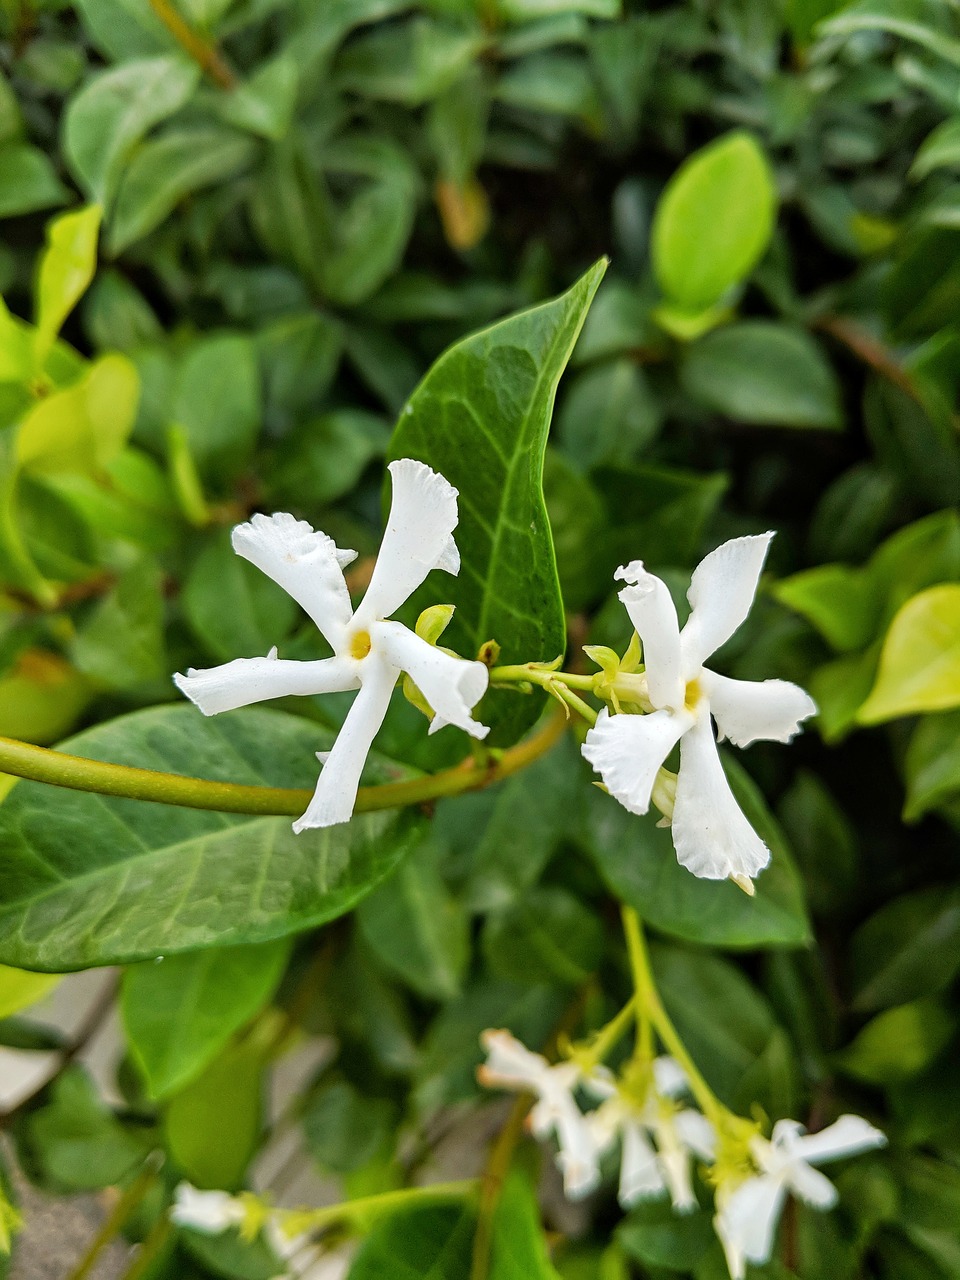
[207, 1211]
[641, 1176]
[712, 837]
[697, 1134]
[750, 1217]
[510, 1064]
[722, 589]
[627, 751]
[732, 1252]
[669, 1077]
[811, 1186]
[605, 1122]
[247, 680]
[653, 614]
[306, 563]
[675, 1162]
[756, 710]
[845, 1137]
[578, 1157]
[418, 538]
[452, 686]
[336, 791]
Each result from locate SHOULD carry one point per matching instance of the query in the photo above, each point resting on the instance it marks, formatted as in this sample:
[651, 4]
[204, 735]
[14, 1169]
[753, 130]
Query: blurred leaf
[577, 522]
[518, 1250]
[840, 602]
[180, 1012]
[120, 645]
[28, 181]
[823, 840]
[327, 456]
[914, 20]
[418, 1244]
[234, 609]
[125, 28]
[655, 1235]
[713, 222]
[481, 418]
[85, 426]
[229, 1255]
[41, 697]
[547, 936]
[264, 105]
[344, 1129]
[216, 401]
[84, 895]
[104, 122]
[417, 929]
[920, 660]
[609, 414]
[932, 764]
[410, 63]
[167, 168]
[898, 1043]
[909, 948]
[212, 1126]
[637, 860]
[19, 989]
[940, 149]
[66, 269]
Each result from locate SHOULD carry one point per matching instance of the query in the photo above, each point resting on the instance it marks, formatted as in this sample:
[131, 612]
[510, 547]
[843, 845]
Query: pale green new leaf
[90, 880]
[66, 270]
[180, 1011]
[920, 661]
[481, 418]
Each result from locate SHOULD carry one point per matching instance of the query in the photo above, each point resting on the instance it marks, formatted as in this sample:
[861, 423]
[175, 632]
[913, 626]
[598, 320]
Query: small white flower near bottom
[370, 652]
[211, 1212]
[510, 1065]
[658, 1137]
[711, 834]
[748, 1212]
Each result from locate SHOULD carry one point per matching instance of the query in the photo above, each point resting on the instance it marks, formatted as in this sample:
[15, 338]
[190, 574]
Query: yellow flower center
[360, 644]
[693, 695]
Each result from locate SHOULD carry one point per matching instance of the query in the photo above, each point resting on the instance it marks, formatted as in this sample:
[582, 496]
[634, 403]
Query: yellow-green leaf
[41, 697]
[20, 989]
[920, 662]
[84, 426]
[66, 270]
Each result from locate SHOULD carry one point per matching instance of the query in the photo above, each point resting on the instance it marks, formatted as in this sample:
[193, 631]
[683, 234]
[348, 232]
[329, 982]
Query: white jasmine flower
[208, 1211]
[712, 836]
[657, 1135]
[747, 1213]
[510, 1065]
[370, 653]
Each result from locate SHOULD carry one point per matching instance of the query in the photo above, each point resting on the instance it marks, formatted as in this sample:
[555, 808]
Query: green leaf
[899, 1043]
[417, 929]
[664, 510]
[125, 28]
[518, 1250]
[547, 936]
[840, 602]
[120, 645]
[824, 842]
[637, 860]
[344, 1129]
[66, 270]
[657, 1236]
[421, 1244]
[166, 169]
[90, 880]
[932, 764]
[213, 1125]
[41, 697]
[909, 948]
[28, 181]
[229, 1255]
[939, 150]
[235, 610]
[216, 401]
[764, 373]
[180, 1012]
[920, 660]
[713, 222]
[327, 456]
[265, 104]
[85, 426]
[913, 20]
[609, 414]
[410, 63]
[481, 417]
[108, 117]
[19, 990]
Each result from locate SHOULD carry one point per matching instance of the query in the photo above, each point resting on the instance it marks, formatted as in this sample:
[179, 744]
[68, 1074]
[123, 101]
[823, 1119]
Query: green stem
[387, 1202]
[649, 1001]
[113, 1224]
[607, 1037]
[40, 764]
[558, 683]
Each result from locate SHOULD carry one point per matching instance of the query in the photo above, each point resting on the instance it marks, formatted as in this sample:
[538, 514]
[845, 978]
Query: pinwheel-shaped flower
[712, 837]
[510, 1065]
[658, 1136]
[370, 653]
[747, 1214]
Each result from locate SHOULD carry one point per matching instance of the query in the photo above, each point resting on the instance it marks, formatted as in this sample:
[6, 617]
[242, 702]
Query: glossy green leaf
[481, 418]
[109, 116]
[899, 1043]
[909, 948]
[920, 661]
[419, 1244]
[89, 880]
[180, 1011]
[840, 602]
[518, 1250]
[932, 764]
[913, 20]
[28, 181]
[763, 373]
[637, 860]
[713, 222]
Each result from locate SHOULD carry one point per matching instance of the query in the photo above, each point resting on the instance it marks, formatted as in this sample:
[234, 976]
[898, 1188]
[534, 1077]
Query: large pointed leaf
[90, 880]
[481, 417]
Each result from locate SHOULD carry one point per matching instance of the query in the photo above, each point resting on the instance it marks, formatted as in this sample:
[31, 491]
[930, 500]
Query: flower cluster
[661, 1137]
[673, 700]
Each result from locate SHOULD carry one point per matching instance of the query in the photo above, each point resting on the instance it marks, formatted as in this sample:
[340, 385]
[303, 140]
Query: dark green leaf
[421, 1244]
[909, 948]
[345, 1129]
[28, 181]
[518, 1250]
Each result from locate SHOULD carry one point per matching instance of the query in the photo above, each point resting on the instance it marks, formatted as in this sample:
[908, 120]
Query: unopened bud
[433, 622]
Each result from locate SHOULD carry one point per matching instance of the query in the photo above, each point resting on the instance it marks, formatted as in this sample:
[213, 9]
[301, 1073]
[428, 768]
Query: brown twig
[870, 350]
[202, 51]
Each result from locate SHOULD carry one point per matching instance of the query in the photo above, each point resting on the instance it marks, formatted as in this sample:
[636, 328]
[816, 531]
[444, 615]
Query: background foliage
[298, 207]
